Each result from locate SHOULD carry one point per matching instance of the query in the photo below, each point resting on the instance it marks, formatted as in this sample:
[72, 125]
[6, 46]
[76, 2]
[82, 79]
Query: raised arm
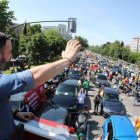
[43, 73]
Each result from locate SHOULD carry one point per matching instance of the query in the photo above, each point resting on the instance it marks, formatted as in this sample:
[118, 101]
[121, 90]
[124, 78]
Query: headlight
[97, 82]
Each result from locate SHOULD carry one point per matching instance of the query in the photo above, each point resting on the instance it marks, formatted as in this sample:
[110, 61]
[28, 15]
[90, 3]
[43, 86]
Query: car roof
[70, 82]
[110, 90]
[122, 126]
[55, 113]
[101, 74]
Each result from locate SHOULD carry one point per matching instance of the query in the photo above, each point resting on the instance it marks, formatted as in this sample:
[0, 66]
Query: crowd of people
[28, 79]
[24, 81]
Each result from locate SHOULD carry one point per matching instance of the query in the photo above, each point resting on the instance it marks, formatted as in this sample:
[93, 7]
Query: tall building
[135, 44]
[61, 28]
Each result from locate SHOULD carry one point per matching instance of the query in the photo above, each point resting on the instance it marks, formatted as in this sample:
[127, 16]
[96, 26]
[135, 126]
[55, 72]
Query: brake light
[71, 130]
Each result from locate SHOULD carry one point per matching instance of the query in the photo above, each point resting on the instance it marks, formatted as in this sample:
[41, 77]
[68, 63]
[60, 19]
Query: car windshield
[74, 73]
[102, 77]
[66, 90]
[110, 96]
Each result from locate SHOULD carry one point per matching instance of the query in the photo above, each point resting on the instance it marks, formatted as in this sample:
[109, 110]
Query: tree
[34, 45]
[56, 44]
[83, 42]
[6, 16]
[37, 48]
[15, 47]
[34, 29]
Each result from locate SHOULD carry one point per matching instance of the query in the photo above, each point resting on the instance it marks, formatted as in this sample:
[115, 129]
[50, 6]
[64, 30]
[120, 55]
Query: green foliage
[118, 51]
[56, 43]
[83, 42]
[41, 47]
[15, 47]
[33, 29]
[35, 47]
[6, 16]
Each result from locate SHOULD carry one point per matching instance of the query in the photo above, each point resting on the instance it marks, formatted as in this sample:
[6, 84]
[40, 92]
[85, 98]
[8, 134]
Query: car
[66, 94]
[110, 103]
[51, 124]
[74, 74]
[56, 114]
[101, 80]
[118, 127]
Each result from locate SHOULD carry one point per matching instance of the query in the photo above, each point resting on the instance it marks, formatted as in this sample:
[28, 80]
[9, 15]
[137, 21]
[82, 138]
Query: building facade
[61, 28]
[135, 44]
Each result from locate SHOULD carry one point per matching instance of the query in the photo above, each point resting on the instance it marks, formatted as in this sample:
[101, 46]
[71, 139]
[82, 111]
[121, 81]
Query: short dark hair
[3, 38]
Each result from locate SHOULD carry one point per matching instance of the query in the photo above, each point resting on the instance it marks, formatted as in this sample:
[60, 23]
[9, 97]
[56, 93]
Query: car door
[105, 129]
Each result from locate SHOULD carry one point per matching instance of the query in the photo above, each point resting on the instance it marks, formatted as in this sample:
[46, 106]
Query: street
[96, 121]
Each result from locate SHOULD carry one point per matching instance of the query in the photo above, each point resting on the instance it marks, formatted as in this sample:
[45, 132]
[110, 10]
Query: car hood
[64, 100]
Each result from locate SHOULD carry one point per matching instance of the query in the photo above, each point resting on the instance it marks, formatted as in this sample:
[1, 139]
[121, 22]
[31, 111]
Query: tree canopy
[41, 46]
[83, 42]
[117, 50]
[6, 16]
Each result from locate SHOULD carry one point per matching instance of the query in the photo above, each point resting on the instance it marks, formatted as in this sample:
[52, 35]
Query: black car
[56, 114]
[101, 80]
[74, 74]
[59, 115]
[66, 94]
[111, 103]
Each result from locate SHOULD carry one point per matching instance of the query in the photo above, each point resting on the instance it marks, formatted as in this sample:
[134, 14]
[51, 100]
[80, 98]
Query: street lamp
[71, 24]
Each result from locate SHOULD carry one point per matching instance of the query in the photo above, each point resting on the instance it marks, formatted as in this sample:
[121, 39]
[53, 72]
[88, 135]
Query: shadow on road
[88, 102]
[93, 126]
[92, 95]
[92, 88]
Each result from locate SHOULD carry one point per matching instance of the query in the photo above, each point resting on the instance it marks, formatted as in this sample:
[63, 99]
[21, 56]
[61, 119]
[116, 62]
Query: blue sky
[99, 21]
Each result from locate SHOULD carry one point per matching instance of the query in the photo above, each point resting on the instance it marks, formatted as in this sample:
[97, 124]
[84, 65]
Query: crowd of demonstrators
[124, 80]
[24, 81]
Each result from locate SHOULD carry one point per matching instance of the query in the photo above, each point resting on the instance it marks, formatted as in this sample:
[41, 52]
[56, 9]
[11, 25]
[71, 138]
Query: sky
[98, 21]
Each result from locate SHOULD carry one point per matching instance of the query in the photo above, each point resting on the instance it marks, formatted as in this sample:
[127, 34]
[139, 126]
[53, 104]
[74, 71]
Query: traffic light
[72, 25]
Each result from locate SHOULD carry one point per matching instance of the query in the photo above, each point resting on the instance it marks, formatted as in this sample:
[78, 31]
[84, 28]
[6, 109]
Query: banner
[35, 98]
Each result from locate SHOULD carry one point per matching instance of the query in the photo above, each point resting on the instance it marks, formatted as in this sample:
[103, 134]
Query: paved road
[96, 121]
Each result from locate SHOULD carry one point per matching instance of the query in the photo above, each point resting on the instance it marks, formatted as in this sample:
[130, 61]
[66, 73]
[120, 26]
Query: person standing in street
[81, 99]
[97, 100]
[25, 81]
[86, 86]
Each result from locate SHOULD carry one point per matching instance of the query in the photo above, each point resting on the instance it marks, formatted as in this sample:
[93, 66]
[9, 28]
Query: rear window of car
[110, 96]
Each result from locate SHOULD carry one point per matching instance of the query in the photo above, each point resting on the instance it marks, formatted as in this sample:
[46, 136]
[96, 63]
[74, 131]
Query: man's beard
[3, 64]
